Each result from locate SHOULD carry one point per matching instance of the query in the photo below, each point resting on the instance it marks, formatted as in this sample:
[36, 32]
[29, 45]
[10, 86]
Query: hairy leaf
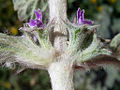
[24, 51]
[94, 49]
[115, 43]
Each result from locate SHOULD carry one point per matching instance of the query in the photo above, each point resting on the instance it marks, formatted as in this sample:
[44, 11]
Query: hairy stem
[61, 75]
[61, 71]
[57, 12]
[57, 9]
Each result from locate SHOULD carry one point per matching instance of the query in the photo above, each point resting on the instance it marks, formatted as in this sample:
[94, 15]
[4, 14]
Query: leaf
[26, 8]
[24, 51]
[115, 45]
[80, 37]
[93, 50]
[115, 42]
[43, 38]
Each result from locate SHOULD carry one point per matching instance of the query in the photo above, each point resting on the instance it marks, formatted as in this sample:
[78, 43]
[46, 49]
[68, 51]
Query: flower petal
[38, 14]
[82, 15]
[79, 21]
[32, 22]
[39, 23]
[78, 15]
[80, 18]
[88, 22]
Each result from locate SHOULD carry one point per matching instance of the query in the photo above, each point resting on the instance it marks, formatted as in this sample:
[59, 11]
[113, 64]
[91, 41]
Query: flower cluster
[80, 18]
[38, 21]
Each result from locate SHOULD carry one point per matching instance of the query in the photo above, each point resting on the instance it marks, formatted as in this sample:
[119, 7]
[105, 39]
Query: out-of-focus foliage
[103, 12]
[26, 8]
[115, 42]
[28, 80]
[106, 78]
[9, 22]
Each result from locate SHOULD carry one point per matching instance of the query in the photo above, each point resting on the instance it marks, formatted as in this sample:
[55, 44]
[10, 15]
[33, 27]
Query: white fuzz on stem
[61, 75]
[57, 9]
[61, 72]
[57, 12]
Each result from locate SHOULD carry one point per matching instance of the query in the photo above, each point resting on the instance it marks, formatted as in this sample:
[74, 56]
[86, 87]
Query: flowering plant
[59, 47]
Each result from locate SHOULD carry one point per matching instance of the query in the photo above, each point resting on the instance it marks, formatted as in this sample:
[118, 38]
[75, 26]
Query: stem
[61, 72]
[59, 36]
[57, 9]
[61, 75]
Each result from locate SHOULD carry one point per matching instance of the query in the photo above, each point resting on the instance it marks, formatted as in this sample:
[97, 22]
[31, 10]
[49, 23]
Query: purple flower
[80, 18]
[38, 21]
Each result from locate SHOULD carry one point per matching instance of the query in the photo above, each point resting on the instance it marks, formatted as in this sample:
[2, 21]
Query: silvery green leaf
[115, 42]
[93, 50]
[80, 37]
[24, 51]
[43, 38]
[115, 45]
